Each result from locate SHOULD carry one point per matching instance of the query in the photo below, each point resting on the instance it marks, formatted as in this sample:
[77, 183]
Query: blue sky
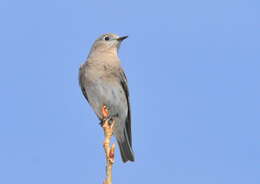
[193, 71]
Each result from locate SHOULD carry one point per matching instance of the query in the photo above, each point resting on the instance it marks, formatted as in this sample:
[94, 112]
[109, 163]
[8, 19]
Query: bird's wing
[81, 81]
[123, 81]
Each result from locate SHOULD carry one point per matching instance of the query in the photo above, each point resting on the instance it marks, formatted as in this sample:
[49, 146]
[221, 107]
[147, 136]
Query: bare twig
[109, 151]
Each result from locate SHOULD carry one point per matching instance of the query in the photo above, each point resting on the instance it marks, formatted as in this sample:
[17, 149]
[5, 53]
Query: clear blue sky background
[194, 77]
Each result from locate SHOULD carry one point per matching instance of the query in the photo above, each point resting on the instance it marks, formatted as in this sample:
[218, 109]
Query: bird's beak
[122, 38]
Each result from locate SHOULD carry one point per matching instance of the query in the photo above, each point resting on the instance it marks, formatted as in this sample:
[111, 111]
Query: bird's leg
[109, 151]
[105, 111]
[105, 115]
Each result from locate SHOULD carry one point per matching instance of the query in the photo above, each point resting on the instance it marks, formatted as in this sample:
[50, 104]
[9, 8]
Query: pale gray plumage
[103, 82]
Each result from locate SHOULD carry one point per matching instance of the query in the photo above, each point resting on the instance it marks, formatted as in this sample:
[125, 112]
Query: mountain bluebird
[104, 85]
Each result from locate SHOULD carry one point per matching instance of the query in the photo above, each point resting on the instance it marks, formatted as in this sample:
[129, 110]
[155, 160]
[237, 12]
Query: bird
[104, 84]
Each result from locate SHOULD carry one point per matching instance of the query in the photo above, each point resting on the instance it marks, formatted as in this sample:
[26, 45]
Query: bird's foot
[108, 119]
[106, 116]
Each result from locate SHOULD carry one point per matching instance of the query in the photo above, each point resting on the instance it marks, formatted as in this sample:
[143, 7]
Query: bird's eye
[107, 38]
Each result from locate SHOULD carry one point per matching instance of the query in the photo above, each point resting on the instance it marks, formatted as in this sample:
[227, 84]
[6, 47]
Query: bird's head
[108, 42]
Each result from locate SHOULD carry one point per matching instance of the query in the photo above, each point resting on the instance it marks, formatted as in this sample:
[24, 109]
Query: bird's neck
[107, 55]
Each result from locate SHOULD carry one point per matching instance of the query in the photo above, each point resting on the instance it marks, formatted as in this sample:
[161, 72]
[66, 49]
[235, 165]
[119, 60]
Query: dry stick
[110, 152]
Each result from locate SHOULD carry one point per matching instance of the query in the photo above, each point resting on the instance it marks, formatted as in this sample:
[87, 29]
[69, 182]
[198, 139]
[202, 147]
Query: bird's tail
[125, 148]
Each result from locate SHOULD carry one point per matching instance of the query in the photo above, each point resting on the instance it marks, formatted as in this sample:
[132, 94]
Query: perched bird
[104, 85]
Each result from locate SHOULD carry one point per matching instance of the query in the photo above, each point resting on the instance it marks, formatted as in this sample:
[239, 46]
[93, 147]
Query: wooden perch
[109, 151]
